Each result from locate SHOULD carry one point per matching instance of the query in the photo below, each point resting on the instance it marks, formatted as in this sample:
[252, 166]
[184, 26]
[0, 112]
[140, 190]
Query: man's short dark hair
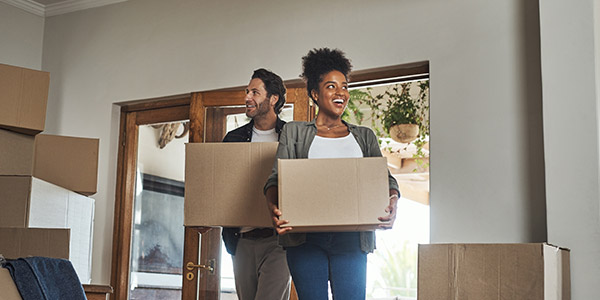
[274, 86]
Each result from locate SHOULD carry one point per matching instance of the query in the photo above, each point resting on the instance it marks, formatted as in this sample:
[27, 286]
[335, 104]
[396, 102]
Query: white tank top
[342, 147]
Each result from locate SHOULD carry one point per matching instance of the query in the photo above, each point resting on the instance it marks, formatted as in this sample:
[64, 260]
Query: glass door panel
[158, 232]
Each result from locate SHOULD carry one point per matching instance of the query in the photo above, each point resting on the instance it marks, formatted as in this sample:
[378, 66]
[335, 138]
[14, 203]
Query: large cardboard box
[8, 287]
[344, 194]
[70, 162]
[29, 202]
[23, 98]
[493, 271]
[224, 184]
[23, 242]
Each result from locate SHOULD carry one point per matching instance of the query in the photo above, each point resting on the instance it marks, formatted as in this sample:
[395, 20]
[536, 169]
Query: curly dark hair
[319, 62]
[274, 86]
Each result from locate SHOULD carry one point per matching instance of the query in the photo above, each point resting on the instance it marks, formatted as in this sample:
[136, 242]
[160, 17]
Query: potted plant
[401, 116]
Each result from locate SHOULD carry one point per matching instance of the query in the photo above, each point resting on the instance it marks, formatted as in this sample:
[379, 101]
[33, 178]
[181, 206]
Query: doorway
[392, 267]
[202, 244]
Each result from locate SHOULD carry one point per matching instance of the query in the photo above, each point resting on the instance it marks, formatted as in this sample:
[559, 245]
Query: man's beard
[262, 109]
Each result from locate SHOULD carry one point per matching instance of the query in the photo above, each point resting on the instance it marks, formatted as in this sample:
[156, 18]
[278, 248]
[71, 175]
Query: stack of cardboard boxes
[44, 179]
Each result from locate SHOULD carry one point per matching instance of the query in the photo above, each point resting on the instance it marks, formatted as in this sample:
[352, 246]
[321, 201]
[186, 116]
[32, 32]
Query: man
[259, 263]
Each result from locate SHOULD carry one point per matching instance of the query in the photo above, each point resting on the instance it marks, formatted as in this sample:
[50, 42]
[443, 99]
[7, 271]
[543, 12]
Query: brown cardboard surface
[70, 162]
[333, 194]
[8, 287]
[565, 275]
[16, 153]
[224, 184]
[23, 242]
[14, 200]
[492, 271]
[23, 97]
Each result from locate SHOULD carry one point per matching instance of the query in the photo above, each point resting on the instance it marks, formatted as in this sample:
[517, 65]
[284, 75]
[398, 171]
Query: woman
[338, 257]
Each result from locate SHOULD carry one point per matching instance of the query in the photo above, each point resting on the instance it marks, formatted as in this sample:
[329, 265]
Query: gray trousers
[260, 269]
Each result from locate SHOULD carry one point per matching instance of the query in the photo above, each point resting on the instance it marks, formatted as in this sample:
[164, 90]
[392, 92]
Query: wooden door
[202, 245]
[133, 115]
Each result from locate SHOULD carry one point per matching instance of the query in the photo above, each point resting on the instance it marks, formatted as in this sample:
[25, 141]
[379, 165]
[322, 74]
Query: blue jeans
[329, 256]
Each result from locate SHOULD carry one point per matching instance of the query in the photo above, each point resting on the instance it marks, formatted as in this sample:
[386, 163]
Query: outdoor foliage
[397, 269]
[396, 105]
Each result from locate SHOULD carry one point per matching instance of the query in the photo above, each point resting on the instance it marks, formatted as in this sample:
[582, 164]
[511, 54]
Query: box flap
[224, 184]
[434, 272]
[556, 273]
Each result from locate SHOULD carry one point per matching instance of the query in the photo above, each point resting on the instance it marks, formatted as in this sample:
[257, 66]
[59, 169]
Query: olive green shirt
[295, 141]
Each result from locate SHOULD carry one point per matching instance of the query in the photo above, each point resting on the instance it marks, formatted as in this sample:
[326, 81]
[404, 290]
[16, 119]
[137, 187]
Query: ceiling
[47, 8]
[48, 2]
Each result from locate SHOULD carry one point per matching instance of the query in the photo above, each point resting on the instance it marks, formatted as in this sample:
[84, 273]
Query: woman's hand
[271, 196]
[391, 212]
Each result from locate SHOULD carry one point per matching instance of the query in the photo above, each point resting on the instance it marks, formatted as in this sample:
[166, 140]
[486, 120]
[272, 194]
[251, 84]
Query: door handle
[210, 267]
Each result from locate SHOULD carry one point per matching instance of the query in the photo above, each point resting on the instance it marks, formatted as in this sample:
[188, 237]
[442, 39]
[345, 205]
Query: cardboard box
[29, 202]
[8, 287]
[493, 271]
[70, 162]
[224, 184]
[23, 242]
[343, 194]
[23, 98]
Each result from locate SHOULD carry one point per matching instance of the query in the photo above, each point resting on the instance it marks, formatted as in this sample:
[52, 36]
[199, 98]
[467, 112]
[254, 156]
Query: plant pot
[404, 133]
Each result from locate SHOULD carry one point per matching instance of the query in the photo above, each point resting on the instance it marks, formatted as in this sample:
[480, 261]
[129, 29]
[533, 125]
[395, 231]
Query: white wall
[21, 37]
[487, 172]
[168, 162]
[571, 137]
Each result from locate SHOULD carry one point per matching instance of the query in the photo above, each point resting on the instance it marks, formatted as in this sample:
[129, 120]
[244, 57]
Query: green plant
[397, 266]
[401, 107]
[394, 106]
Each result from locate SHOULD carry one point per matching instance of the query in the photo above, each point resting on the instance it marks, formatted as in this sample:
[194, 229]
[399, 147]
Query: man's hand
[275, 214]
[391, 213]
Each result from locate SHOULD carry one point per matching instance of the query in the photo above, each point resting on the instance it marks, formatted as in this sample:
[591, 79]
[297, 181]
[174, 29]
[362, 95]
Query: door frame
[192, 105]
[134, 114]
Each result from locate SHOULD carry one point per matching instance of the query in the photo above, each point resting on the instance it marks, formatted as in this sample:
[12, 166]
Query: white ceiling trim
[63, 7]
[28, 5]
[75, 5]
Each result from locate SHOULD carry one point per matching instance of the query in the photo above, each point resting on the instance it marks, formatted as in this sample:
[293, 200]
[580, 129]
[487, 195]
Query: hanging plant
[402, 116]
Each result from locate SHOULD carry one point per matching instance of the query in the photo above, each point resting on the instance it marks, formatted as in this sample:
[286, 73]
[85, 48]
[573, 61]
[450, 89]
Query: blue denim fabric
[329, 256]
[45, 278]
